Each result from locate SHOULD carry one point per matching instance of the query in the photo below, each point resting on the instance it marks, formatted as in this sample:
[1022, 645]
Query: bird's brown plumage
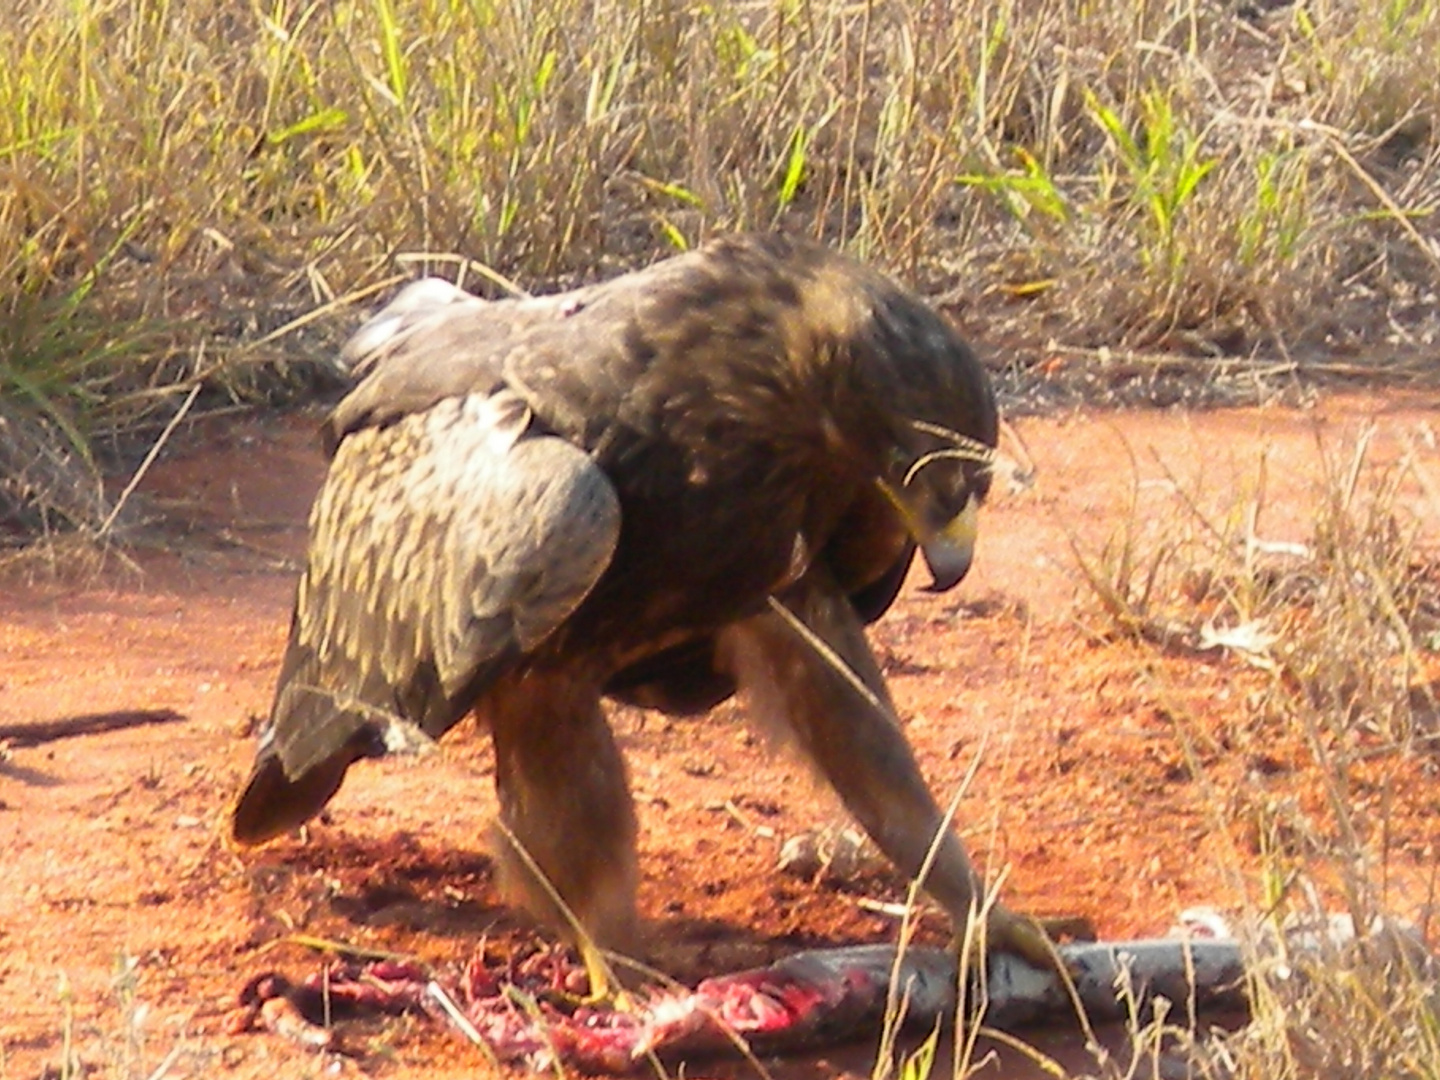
[634, 489]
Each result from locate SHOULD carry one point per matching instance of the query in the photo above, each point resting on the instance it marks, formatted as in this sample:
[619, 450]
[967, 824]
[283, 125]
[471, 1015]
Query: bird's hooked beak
[949, 552]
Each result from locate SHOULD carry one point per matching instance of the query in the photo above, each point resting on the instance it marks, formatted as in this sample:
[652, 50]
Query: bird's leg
[807, 664]
[566, 836]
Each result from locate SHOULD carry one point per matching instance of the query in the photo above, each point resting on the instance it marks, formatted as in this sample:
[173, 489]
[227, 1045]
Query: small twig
[441, 997]
[149, 460]
[737, 815]
[583, 941]
[164, 1067]
[276, 559]
[836, 662]
[1024, 470]
[338, 948]
[489, 273]
[348, 300]
[1396, 211]
[892, 910]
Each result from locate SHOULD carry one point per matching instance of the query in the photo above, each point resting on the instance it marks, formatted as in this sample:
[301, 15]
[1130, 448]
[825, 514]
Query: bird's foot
[1033, 939]
[603, 989]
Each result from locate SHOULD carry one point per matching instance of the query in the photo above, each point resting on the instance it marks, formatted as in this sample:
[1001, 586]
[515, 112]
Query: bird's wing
[575, 357]
[443, 546]
[431, 342]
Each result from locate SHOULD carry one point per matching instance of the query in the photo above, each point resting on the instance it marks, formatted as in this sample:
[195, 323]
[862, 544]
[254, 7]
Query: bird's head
[941, 431]
[875, 385]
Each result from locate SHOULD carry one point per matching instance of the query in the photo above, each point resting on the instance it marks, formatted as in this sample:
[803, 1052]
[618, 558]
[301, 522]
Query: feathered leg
[567, 823]
[848, 731]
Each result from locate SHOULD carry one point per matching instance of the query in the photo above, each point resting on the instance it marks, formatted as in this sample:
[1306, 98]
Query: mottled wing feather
[432, 342]
[575, 357]
[443, 546]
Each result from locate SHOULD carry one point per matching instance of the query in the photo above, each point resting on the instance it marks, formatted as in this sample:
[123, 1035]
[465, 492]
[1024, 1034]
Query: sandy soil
[128, 925]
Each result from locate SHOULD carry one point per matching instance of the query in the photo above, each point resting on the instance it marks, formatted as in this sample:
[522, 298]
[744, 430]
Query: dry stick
[975, 925]
[895, 1008]
[169, 1060]
[831, 657]
[337, 948]
[1428, 483]
[1037, 1057]
[442, 997]
[21, 735]
[570, 917]
[527, 1004]
[1141, 361]
[582, 936]
[992, 897]
[325, 309]
[149, 459]
[1024, 469]
[605, 956]
[489, 273]
[1384, 197]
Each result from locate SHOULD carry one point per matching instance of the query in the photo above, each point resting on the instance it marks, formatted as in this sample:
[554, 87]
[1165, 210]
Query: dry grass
[1134, 173]
[1210, 172]
[1345, 627]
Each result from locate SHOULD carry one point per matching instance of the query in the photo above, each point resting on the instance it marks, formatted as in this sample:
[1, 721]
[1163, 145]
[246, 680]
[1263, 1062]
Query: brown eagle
[703, 476]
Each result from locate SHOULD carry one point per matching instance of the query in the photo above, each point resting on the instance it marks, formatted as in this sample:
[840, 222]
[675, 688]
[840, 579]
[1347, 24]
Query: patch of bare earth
[118, 889]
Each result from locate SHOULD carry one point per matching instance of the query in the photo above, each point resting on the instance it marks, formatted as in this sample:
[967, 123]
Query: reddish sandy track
[111, 845]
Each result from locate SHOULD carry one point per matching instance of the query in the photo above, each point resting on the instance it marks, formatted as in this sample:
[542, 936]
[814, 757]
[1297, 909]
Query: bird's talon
[1069, 927]
[602, 989]
[1034, 939]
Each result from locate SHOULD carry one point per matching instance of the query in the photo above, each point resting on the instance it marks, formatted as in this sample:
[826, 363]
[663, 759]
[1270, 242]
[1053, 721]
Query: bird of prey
[701, 476]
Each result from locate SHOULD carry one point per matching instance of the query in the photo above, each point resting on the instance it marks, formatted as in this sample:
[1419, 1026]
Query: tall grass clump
[1189, 153]
[1217, 178]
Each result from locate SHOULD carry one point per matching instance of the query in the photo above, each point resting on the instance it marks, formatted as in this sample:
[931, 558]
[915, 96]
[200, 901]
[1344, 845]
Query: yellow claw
[1033, 939]
[605, 990]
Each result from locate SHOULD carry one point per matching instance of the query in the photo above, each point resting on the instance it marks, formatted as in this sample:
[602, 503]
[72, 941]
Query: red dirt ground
[120, 898]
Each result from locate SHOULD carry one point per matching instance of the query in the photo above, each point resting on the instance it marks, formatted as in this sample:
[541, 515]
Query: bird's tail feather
[272, 803]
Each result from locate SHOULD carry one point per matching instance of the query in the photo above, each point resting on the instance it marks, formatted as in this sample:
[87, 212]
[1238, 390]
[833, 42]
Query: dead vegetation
[1343, 624]
[1223, 181]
